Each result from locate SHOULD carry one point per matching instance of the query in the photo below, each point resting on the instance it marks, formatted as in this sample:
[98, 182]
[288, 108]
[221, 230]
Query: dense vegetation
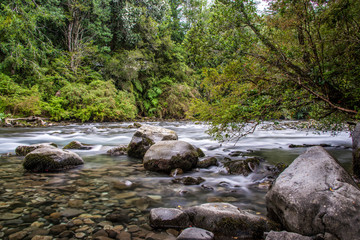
[107, 60]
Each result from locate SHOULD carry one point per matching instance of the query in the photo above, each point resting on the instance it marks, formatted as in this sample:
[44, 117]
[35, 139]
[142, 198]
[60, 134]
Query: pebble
[38, 237]
[80, 235]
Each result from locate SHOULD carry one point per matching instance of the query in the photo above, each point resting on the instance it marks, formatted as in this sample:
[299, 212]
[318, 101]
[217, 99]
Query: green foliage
[98, 101]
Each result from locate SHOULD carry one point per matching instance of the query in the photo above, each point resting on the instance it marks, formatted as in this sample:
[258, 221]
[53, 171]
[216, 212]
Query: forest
[222, 61]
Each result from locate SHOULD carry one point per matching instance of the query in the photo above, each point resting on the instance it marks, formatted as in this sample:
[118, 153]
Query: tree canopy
[224, 62]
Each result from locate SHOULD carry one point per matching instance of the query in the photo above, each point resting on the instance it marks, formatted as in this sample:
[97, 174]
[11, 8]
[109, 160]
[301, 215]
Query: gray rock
[77, 145]
[51, 159]
[117, 151]
[23, 150]
[356, 150]
[286, 236]
[315, 195]
[71, 212]
[226, 219]
[168, 218]
[194, 233]
[147, 136]
[167, 155]
[212, 161]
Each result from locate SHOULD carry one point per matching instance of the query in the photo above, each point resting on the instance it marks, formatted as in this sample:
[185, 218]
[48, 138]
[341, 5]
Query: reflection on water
[95, 182]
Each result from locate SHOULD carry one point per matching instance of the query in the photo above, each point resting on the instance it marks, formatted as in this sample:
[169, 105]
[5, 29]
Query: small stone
[133, 228]
[80, 235]
[118, 228]
[75, 203]
[71, 212]
[9, 216]
[123, 236]
[78, 222]
[125, 195]
[57, 229]
[88, 221]
[18, 235]
[37, 224]
[100, 233]
[55, 215]
[39, 237]
[82, 229]
[66, 234]
[159, 236]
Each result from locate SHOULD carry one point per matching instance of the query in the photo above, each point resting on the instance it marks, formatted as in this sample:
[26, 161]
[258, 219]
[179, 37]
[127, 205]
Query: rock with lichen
[51, 159]
[25, 149]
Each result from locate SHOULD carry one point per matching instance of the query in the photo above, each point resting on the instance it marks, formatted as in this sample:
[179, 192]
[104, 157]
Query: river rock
[272, 235]
[168, 218]
[117, 151]
[315, 195]
[208, 162]
[147, 136]
[188, 180]
[167, 155]
[226, 219]
[77, 145]
[23, 150]
[243, 167]
[356, 150]
[51, 159]
[194, 233]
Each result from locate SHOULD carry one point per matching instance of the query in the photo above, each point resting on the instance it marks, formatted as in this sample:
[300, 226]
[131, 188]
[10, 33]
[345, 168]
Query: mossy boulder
[225, 219]
[23, 150]
[117, 151]
[243, 167]
[77, 145]
[50, 160]
[167, 155]
[146, 136]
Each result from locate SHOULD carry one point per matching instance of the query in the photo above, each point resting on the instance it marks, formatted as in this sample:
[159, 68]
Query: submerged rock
[189, 180]
[77, 145]
[168, 218]
[226, 219]
[194, 233]
[146, 136]
[315, 195]
[51, 159]
[117, 151]
[23, 150]
[167, 155]
[243, 167]
[212, 161]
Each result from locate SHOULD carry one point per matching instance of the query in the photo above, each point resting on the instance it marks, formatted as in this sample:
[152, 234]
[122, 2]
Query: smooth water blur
[244, 192]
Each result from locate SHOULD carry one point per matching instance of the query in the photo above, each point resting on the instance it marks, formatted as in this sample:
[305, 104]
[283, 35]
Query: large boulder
[146, 136]
[25, 149]
[356, 150]
[168, 218]
[51, 159]
[167, 155]
[228, 220]
[315, 195]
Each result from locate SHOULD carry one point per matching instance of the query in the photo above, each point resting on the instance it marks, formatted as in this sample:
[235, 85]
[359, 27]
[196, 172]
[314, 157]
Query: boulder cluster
[313, 198]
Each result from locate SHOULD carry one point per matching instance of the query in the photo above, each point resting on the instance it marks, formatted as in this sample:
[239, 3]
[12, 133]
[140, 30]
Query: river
[92, 189]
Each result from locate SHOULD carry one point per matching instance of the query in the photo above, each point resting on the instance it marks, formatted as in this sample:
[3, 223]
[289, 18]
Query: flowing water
[91, 189]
